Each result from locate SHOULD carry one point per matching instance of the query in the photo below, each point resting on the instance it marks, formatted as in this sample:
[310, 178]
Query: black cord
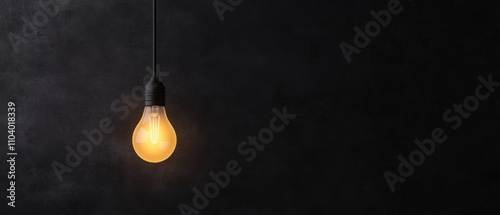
[154, 38]
[154, 93]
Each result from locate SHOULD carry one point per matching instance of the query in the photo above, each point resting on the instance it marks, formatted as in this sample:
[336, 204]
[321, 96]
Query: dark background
[353, 120]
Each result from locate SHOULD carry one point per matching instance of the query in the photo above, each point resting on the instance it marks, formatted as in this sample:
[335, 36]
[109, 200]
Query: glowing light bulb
[154, 138]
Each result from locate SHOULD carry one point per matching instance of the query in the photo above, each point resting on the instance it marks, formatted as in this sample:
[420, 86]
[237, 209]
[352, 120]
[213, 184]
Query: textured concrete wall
[224, 78]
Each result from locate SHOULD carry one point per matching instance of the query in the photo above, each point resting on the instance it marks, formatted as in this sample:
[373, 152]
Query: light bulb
[154, 138]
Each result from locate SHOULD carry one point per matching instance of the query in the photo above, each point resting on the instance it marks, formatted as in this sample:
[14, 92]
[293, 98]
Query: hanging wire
[154, 38]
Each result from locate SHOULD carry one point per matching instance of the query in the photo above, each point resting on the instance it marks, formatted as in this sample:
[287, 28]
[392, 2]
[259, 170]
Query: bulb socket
[154, 93]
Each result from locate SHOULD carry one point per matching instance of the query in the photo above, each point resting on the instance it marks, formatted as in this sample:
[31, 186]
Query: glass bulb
[154, 138]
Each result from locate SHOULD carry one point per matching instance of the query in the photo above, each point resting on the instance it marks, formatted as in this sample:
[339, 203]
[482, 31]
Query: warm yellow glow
[154, 138]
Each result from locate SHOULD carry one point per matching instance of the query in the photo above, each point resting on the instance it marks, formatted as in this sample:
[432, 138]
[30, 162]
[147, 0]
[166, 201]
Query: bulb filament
[154, 124]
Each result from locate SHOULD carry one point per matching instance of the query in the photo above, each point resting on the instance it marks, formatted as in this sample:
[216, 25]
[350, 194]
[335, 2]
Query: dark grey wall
[224, 79]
